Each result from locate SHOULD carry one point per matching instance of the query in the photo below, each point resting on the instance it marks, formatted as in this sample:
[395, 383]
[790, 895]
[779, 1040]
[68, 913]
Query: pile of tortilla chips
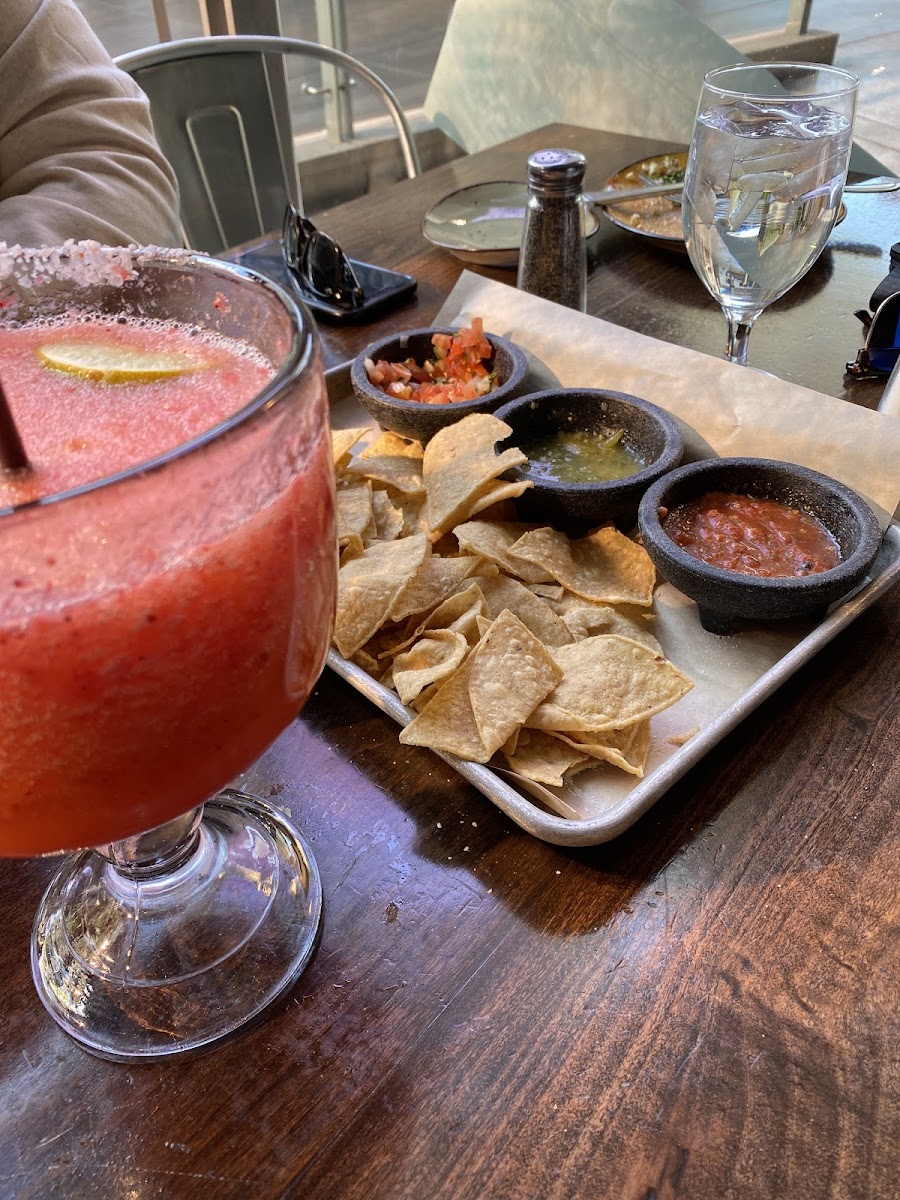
[503, 637]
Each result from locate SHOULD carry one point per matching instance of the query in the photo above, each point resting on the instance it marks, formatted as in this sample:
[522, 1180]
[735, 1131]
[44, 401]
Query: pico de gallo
[459, 369]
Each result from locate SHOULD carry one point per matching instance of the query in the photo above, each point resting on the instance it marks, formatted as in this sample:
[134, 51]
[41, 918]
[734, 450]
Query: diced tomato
[459, 370]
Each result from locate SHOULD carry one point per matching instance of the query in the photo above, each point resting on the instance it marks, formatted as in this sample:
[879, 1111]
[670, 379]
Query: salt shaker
[553, 258]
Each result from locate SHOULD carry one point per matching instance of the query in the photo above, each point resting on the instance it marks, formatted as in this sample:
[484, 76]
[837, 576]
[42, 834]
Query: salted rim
[85, 263]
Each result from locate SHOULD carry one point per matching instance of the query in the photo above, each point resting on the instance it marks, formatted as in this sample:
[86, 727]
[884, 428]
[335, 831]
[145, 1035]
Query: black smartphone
[382, 288]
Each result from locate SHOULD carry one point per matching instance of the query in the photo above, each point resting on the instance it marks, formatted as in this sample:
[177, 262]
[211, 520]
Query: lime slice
[114, 364]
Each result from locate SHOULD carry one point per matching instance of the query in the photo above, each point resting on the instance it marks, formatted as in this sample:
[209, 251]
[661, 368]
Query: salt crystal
[83, 263]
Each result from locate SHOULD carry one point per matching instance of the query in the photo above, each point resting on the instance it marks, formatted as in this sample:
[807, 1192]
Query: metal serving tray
[732, 675]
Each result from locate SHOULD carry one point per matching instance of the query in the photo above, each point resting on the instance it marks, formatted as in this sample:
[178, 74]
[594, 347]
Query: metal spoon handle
[619, 195]
[879, 183]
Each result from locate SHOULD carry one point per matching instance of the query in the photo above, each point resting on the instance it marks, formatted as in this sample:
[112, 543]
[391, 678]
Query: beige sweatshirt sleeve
[78, 158]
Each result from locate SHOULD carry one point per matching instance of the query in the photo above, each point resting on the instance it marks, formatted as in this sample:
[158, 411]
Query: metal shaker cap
[556, 172]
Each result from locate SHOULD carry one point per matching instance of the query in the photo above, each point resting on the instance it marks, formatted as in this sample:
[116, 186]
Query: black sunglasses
[318, 263]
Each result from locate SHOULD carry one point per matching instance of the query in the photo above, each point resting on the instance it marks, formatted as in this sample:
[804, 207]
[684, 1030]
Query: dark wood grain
[705, 1008]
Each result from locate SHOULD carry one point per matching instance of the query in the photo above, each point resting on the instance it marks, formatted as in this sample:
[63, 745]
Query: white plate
[482, 224]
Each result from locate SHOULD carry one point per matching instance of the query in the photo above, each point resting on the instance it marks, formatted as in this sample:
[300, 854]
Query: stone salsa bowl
[411, 418]
[650, 434]
[724, 596]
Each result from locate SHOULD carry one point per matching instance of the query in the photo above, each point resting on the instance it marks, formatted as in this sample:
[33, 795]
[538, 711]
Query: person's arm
[78, 158]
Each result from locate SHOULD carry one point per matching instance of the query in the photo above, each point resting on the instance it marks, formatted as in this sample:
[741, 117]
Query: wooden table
[706, 1007]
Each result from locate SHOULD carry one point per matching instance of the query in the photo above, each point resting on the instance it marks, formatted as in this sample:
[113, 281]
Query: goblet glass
[158, 629]
[765, 174]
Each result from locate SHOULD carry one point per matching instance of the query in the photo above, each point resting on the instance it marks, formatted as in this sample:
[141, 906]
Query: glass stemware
[764, 179]
[158, 629]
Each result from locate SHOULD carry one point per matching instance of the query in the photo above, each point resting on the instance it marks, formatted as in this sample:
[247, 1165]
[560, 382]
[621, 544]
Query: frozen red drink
[157, 632]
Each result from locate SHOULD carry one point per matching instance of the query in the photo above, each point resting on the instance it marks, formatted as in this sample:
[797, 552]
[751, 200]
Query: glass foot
[145, 957]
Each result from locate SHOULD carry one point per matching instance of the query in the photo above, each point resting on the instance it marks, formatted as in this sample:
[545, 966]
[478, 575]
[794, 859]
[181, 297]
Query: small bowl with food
[657, 218]
[757, 539]
[591, 453]
[417, 382]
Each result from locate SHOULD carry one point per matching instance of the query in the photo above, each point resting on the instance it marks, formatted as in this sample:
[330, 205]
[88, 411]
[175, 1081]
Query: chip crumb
[679, 739]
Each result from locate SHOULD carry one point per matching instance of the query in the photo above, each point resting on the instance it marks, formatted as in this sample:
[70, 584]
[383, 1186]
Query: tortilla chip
[623, 748]
[499, 491]
[457, 612]
[431, 659]
[636, 755]
[392, 445]
[388, 518]
[493, 539]
[413, 509]
[585, 619]
[370, 665]
[342, 442]
[354, 513]
[393, 461]
[482, 624]
[631, 622]
[606, 566]
[609, 682]
[460, 613]
[369, 585]
[501, 593]
[447, 721]
[488, 697]
[350, 552]
[425, 697]
[543, 758]
[435, 581]
[460, 467]
[509, 746]
[548, 591]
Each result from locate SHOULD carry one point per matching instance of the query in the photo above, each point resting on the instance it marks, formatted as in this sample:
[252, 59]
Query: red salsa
[752, 535]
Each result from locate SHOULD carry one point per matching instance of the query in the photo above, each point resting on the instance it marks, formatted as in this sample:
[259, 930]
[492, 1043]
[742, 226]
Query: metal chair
[219, 107]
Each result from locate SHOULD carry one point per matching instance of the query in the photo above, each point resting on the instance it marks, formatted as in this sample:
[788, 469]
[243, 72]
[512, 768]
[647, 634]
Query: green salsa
[575, 456]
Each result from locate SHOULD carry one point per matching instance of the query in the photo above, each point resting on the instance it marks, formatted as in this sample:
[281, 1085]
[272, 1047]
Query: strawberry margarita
[157, 631]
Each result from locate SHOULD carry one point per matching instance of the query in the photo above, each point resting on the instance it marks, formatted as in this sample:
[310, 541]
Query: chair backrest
[627, 66]
[218, 107]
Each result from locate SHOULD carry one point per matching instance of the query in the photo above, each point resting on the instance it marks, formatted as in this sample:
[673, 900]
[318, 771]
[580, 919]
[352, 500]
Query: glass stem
[739, 336]
[158, 852]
